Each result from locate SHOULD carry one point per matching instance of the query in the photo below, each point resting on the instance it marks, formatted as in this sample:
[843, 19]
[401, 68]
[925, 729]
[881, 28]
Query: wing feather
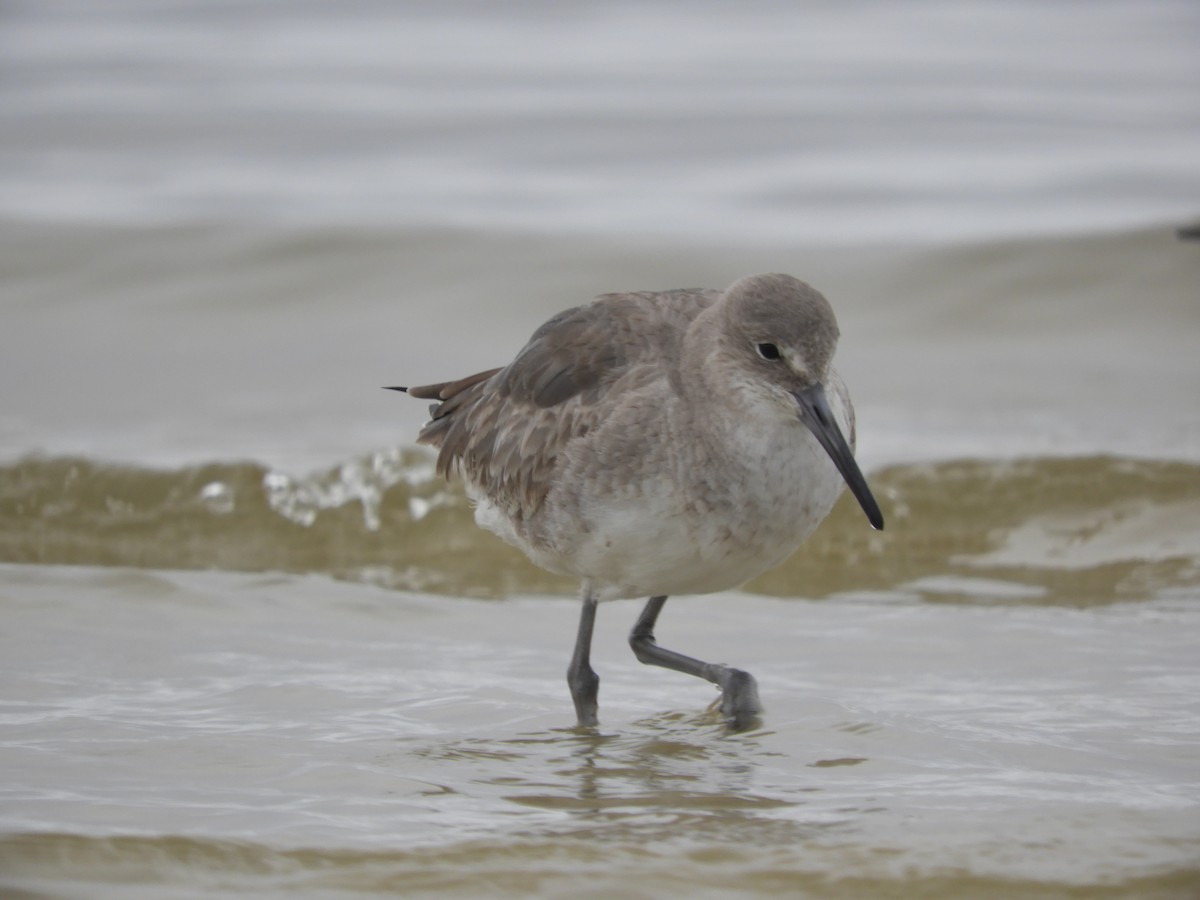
[506, 428]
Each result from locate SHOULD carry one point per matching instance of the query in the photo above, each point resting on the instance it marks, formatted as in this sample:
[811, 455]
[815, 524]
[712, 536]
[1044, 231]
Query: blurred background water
[239, 653]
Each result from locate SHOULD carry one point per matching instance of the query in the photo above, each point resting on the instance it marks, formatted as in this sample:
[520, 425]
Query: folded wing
[506, 428]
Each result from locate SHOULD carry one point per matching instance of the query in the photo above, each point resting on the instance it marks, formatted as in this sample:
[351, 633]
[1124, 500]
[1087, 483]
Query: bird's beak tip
[815, 413]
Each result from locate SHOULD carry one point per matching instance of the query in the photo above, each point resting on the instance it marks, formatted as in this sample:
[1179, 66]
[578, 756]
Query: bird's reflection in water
[668, 776]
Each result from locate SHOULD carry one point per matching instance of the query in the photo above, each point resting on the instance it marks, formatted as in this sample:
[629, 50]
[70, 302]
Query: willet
[649, 444]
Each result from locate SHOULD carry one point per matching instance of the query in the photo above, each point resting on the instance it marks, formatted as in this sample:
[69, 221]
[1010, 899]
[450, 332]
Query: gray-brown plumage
[506, 427]
[656, 443]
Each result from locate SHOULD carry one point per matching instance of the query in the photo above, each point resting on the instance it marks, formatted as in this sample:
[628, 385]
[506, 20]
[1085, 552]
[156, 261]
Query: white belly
[661, 540]
[671, 515]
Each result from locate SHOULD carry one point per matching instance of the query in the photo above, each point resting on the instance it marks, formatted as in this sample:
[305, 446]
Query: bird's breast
[706, 519]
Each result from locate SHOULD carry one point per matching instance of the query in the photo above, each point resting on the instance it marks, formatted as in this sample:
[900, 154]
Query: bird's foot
[739, 700]
[585, 690]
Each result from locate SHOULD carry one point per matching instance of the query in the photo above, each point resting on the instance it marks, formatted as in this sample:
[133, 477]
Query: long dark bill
[816, 414]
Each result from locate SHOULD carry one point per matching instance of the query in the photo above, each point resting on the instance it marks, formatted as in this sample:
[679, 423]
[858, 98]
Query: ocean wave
[1071, 531]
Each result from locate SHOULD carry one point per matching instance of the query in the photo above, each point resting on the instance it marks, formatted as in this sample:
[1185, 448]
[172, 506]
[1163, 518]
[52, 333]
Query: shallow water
[998, 694]
[279, 733]
[251, 645]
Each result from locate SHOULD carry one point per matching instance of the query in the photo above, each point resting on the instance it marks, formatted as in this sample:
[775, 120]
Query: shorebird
[659, 443]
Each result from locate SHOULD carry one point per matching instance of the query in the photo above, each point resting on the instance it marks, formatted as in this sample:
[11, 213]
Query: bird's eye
[767, 351]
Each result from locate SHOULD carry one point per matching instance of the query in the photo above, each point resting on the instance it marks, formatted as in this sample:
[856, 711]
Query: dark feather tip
[403, 389]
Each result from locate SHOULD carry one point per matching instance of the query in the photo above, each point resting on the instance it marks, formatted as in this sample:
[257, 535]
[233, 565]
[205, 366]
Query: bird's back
[507, 428]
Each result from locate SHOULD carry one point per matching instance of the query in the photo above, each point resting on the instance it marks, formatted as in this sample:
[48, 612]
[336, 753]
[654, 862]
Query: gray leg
[739, 692]
[583, 681]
